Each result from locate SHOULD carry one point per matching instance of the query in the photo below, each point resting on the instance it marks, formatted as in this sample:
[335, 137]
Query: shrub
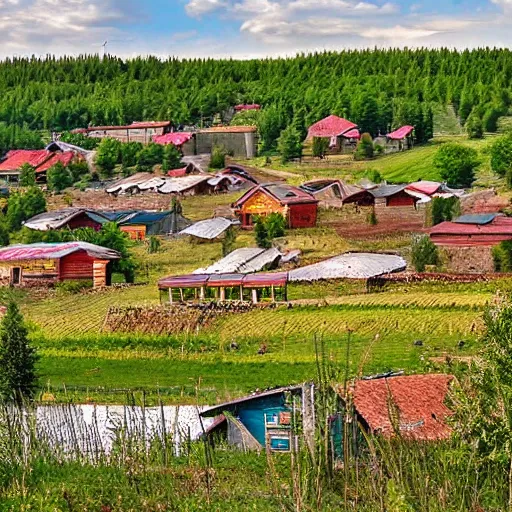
[502, 256]
[27, 175]
[23, 206]
[320, 146]
[501, 155]
[78, 170]
[372, 217]
[474, 127]
[444, 209]
[457, 164]
[171, 158]
[18, 377]
[80, 140]
[229, 240]
[108, 155]
[269, 227]
[218, 158]
[149, 156]
[373, 175]
[129, 154]
[365, 149]
[424, 252]
[74, 286]
[289, 144]
[154, 244]
[58, 177]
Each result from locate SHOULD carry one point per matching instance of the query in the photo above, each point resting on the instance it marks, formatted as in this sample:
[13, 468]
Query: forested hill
[377, 89]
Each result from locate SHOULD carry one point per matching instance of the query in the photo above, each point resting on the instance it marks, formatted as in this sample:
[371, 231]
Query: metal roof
[59, 218]
[281, 192]
[387, 190]
[45, 251]
[350, 266]
[217, 409]
[232, 262]
[179, 185]
[331, 126]
[401, 133]
[479, 219]
[16, 158]
[208, 229]
[174, 138]
[144, 218]
[425, 187]
[64, 158]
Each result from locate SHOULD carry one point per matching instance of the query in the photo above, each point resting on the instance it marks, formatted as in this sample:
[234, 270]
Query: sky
[245, 29]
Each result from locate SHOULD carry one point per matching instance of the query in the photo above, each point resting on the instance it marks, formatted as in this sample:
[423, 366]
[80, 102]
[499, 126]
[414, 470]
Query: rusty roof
[499, 225]
[417, 400]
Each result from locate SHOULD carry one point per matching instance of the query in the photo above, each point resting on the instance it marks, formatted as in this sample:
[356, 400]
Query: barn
[298, 207]
[393, 195]
[44, 264]
[400, 140]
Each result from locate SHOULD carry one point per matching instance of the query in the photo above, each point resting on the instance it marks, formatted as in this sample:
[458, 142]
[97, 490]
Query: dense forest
[377, 89]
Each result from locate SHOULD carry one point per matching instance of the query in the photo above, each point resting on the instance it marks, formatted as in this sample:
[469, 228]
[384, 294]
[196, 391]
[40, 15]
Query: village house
[44, 264]
[411, 406]
[67, 218]
[40, 159]
[141, 224]
[143, 132]
[343, 135]
[267, 420]
[335, 193]
[298, 207]
[244, 107]
[401, 139]
[393, 195]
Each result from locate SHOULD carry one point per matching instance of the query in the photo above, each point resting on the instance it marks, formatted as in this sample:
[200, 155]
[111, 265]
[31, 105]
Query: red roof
[175, 138]
[50, 251]
[64, 158]
[281, 192]
[259, 280]
[424, 187]
[331, 126]
[229, 129]
[499, 226]
[254, 106]
[352, 134]
[177, 173]
[401, 133]
[18, 157]
[133, 126]
[265, 279]
[418, 400]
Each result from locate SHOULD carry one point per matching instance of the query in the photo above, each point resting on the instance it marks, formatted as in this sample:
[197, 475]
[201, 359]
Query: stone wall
[467, 259]
[100, 200]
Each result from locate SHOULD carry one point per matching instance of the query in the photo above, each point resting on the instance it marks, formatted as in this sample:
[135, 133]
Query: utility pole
[104, 46]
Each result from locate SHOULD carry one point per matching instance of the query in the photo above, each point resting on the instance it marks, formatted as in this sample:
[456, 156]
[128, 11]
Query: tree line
[377, 89]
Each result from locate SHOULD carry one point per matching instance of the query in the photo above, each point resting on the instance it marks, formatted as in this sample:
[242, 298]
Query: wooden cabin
[44, 264]
[298, 207]
[67, 218]
[393, 195]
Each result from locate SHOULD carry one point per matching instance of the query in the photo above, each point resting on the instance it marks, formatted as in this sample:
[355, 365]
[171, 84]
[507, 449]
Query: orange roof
[417, 399]
[19, 157]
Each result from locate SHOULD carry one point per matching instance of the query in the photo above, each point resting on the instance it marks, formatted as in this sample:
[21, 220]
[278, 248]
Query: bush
[171, 158]
[229, 240]
[218, 158]
[424, 253]
[457, 164]
[27, 175]
[154, 244]
[501, 155]
[108, 155]
[149, 156]
[444, 209]
[373, 175]
[289, 144]
[80, 140]
[58, 177]
[320, 146]
[74, 286]
[502, 256]
[365, 149]
[474, 127]
[23, 206]
[129, 153]
[269, 227]
[79, 170]
[372, 218]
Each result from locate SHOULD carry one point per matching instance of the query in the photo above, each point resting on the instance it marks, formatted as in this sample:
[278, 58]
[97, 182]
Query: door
[16, 276]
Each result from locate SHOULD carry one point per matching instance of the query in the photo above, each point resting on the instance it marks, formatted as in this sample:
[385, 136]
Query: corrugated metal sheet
[18, 157]
[331, 126]
[267, 259]
[232, 262]
[175, 138]
[44, 251]
[180, 185]
[479, 219]
[350, 266]
[401, 133]
[424, 187]
[420, 400]
[208, 229]
[387, 190]
[498, 226]
[64, 158]
[352, 134]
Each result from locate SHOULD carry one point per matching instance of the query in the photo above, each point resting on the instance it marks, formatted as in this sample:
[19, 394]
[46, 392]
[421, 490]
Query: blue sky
[247, 28]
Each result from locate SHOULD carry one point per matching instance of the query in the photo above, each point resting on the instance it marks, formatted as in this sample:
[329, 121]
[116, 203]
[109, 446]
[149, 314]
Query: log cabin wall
[31, 273]
[76, 266]
[100, 277]
[259, 204]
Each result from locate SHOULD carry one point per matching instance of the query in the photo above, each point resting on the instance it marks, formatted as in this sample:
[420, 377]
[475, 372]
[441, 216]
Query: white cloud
[197, 8]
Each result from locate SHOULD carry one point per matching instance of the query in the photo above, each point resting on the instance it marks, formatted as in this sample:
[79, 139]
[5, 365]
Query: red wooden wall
[83, 221]
[302, 215]
[78, 265]
[401, 199]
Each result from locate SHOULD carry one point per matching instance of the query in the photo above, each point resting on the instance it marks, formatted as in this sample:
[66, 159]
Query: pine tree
[289, 144]
[172, 158]
[18, 377]
[27, 175]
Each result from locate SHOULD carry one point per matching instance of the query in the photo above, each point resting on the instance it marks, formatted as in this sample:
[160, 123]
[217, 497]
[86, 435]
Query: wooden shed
[299, 207]
[393, 195]
[44, 264]
[343, 135]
